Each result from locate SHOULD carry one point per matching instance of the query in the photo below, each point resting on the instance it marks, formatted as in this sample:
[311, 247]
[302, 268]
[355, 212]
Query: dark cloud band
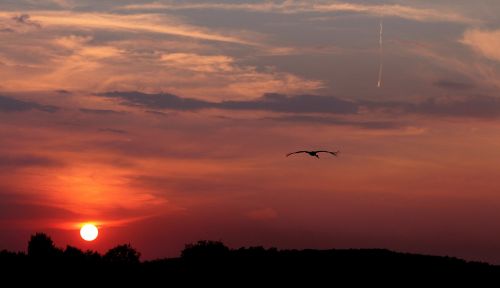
[475, 106]
[8, 104]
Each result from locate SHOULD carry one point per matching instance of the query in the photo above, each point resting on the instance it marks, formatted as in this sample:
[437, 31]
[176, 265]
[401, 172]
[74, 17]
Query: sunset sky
[166, 122]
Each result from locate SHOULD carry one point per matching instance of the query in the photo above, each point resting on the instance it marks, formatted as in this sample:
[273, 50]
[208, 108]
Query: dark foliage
[205, 250]
[212, 263]
[122, 255]
[42, 246]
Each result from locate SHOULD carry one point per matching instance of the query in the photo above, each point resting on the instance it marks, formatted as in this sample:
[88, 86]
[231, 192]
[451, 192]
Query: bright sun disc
[89, 232]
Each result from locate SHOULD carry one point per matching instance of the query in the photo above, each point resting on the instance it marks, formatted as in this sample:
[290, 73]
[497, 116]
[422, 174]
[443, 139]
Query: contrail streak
[381, 54]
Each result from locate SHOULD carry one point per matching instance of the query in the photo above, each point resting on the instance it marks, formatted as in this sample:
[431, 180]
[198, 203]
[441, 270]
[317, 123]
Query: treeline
[211, 262]
[41, 250]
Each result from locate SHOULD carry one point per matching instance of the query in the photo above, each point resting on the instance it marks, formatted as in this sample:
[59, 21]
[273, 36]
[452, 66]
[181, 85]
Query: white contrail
[381, 54]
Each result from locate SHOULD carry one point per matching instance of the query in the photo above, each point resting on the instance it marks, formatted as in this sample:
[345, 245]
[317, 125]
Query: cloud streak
[23, 161]
[294, 7]
[453, 85]
[25, 211]
[312, 119]
[477, 106]
[8, 104]
[268, 102]
[149, 23]
[101, 111]
[112, 130]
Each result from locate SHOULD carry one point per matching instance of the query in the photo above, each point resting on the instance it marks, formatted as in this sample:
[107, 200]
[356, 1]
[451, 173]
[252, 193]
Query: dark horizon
[213, 262]
[45, 241]
[87, 246]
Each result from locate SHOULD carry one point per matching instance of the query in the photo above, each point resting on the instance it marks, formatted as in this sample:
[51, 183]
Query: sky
[166, 122]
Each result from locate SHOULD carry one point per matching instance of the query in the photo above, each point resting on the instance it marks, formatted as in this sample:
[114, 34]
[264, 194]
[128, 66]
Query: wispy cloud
[149, 23]
[25, 19]
[394, 10]
[483, 74]
[292, 7]
[200, 63]
[17, 22]
[76, 60]
[483, 42]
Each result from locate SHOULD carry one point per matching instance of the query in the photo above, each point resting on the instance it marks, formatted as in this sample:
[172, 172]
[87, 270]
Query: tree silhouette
[73, 252]
[205, 249]
[122, 254]
[76, 257]
[42, 246]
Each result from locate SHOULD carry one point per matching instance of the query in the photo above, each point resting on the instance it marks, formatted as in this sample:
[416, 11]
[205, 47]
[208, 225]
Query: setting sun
[89, 232]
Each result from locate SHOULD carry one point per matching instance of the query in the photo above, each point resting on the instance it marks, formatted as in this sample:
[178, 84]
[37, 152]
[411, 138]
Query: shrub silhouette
[73, 252]
[122, 254]
[42, 246]
[205, 249]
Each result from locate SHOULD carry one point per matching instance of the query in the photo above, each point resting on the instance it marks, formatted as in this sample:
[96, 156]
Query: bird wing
[296, 153]
[324, 151]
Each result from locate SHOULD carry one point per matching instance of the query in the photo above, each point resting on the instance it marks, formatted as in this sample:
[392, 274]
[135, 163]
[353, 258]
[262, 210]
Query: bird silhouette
[314, 153]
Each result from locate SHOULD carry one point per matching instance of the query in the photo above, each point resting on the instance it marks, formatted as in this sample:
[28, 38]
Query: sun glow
[89, 232]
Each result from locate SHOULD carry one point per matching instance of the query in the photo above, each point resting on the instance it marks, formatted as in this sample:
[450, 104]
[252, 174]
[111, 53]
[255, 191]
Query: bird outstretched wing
[297, 152]
[324, 151]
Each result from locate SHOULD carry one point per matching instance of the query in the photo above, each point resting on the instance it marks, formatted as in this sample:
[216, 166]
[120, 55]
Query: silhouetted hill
[208, 262]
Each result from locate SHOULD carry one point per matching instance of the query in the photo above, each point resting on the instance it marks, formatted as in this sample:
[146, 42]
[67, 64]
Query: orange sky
[166, 123]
